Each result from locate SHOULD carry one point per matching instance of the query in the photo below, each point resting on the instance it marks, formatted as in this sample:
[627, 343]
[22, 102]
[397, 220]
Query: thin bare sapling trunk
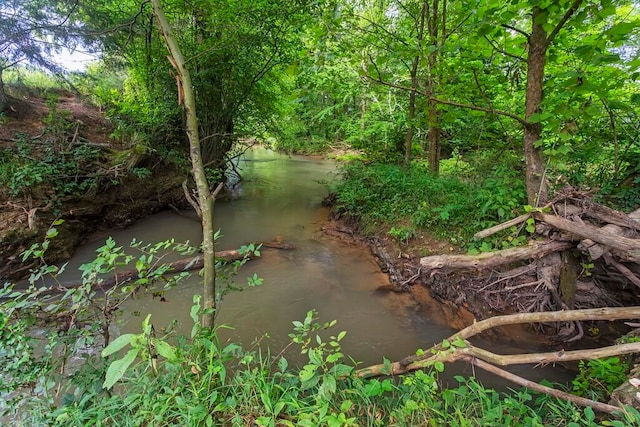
[205, 197]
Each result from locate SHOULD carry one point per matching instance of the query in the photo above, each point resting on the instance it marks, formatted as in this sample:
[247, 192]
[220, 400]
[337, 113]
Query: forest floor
[28, 115]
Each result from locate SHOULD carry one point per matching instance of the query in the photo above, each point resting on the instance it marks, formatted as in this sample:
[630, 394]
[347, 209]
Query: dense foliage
[463, 113]
[81, 376]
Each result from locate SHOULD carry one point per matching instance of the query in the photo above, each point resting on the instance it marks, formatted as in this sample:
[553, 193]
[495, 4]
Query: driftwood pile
[582, 255]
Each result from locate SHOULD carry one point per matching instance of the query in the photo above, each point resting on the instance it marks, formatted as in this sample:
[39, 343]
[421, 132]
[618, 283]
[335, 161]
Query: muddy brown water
[280, 197]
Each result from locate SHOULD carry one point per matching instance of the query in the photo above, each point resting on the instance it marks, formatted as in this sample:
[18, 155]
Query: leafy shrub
[29, 165]
[449, 205]
[598, 378]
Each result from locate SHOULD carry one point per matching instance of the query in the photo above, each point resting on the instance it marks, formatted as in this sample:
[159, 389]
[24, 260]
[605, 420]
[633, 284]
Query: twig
[412, 278]
[193, 202]
[602, 407]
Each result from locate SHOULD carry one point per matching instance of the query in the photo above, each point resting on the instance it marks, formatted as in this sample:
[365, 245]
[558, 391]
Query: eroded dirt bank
[113, 207]
[38, 135]
[461, 297]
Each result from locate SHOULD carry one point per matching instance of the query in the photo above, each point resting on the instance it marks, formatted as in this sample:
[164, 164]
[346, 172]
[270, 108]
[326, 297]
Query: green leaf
[346, 405]
[341, 370]
[283, 364]
[314, 357]
[386, 366]
[589, 414]
[307, 373]
[614, 104]
[539, 117]
[117, 344]
[118, 367]
[165, 350]
[334, 357]
[438, 366]
[328, 386]
[622, 28]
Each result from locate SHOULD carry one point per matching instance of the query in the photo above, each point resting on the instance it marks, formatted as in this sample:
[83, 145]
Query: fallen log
[535, 249]
[610, 216]
[497, 228]
[623, 247]
[596, 250]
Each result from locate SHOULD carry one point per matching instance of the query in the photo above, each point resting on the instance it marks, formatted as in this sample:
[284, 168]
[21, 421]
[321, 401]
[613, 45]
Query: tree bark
[412, 111]
[623, 247]
[536, 249]
[432, 82]
[205, 198]
[419, 361]
[534, 175]
[414, 83]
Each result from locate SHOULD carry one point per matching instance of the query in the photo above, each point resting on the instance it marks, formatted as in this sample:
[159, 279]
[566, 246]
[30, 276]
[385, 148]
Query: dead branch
[602, 407]
[192, 201]
[606, 313]
[497, 228]
[535, 249]
[486, 359]
[622, 269]
[625, 248]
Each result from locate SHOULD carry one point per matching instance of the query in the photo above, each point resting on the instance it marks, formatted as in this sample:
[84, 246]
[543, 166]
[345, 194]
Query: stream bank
[117, 205]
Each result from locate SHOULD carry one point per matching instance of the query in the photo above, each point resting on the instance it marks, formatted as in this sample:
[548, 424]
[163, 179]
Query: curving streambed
[280, 198]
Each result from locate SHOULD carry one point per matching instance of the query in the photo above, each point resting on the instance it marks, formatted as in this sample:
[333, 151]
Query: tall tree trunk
[539, 42]
[414, 81]
[205, 198]
[412, 111]
[434, 138]
[534, 175]
[432, 113]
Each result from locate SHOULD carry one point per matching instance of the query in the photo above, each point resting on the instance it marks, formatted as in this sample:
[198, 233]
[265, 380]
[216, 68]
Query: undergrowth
[453, 206]
[61, 367]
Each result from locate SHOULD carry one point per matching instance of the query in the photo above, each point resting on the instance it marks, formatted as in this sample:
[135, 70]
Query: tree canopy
[552, 82]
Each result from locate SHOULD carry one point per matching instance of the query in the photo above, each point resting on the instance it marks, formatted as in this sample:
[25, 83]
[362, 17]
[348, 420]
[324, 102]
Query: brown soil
[116, 203]
[28, 113]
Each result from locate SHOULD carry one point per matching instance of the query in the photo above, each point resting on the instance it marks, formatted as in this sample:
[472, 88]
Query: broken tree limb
[191, 199]
[453, 354]
[596, 250]
[610, 216]
[535, 249]
[497, 228]
[623, 247]
[179, 266]
[622, 269]
[607, 313]
[457, 350]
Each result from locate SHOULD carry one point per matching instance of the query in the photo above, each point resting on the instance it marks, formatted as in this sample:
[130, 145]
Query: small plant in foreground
[599, 377]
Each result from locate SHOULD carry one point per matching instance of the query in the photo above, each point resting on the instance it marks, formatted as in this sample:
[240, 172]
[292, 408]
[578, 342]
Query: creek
[280, 198]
